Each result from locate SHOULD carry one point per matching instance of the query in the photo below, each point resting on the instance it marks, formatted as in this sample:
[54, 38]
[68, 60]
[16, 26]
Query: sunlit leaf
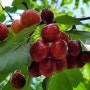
[65, 19]
[80, 34]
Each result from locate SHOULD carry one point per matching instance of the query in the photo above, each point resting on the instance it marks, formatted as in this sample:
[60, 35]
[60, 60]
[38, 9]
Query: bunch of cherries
[54, 52]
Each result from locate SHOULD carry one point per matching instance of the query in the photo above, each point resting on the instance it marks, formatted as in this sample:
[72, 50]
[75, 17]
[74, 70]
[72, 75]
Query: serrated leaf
[80, 34]
[65, 19]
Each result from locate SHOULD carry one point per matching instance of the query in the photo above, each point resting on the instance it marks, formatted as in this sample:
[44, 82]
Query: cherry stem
[25, 4]
[6, 12]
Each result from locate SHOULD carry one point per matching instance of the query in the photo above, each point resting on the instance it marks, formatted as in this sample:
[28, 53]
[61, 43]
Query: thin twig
[84, 18]
[6, 12]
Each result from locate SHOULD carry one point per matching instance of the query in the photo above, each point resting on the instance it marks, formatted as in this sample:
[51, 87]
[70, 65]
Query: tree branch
[84, 18]
[6, 12]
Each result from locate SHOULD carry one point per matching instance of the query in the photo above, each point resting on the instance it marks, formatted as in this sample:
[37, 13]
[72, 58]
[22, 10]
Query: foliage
[14, 52]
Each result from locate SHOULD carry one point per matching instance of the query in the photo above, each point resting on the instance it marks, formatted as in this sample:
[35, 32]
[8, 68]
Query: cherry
[30, 17]
[33, 69]
[61, 65]
[74, 47]
[80, 63]
[59, 49]
[17, 26]
[47, 67]
[47, 15]
[71, 61]
[85, 56]
[39, 50]
[50, 32]
[63, 36]
[3, 32]
[18, 80]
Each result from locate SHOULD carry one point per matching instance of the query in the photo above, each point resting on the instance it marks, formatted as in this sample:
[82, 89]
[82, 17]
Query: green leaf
[8, 86]
[65, 80]
[14, 54]
[3, 77]
[18, 39]
[65, 19]
[79, 34]
[87, 67]
[15, 59]
[2, 17]
[11, 9]
[19, 5]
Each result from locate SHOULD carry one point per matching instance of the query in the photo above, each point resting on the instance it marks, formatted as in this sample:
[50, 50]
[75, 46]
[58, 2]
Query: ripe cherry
[85, 56]
[59, 49]
[47, 67]
[61, 65]
[30, 17]
[74, 47]
[50, 32]
[71, 61]
[39, 50]
[63, 36]
[33, 69]
[18, 80]
[47, 15]
[3, 32]
[17, 26]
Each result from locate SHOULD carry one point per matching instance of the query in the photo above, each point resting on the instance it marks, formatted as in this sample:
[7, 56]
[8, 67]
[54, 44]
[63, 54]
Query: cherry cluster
[55, 52]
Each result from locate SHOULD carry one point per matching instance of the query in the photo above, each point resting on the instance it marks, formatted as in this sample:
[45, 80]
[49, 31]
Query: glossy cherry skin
[33, 69]
[61, 65]
[63, 36]
[47, 15]
[71, 61]
[4, 32]
[50, 32]
[30, 17]
[74, 47]
[47, 67]
[39, 50]
[17, 26]
[59, 49]
[18, 80]
[85, 56]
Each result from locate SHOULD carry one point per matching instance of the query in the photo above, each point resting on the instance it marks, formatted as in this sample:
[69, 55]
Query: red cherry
[74, 47]
[85, 56]
[61, 65]
[47, 67]
[3, 32]
[39, 50]
[17, 26]
[47, 15]
[63, 36]
[71, 61]
[59, 49]
[33, 69]
[50, 32]
[18, 80]
[30, 17]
